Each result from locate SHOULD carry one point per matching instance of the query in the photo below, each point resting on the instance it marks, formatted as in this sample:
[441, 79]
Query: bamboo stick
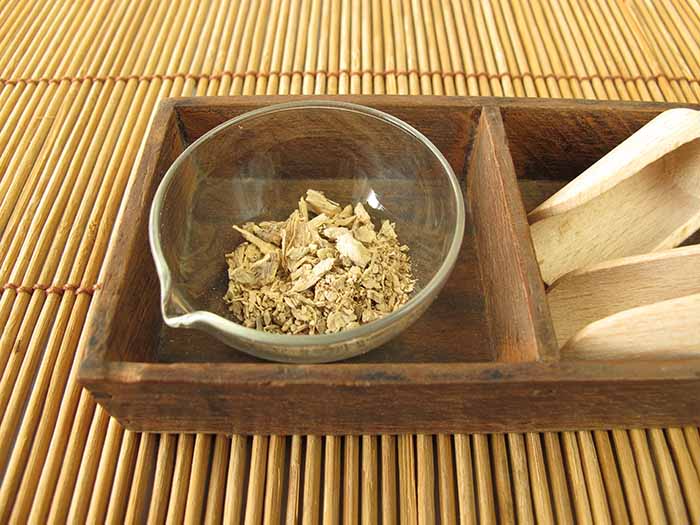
[536, 49]
[409, 43]
[105, 473]
[370, 489]
[143, 474]
[217, 482]
[389, 494]
[312, 481]
[356, 48]
[630, 48]
[312, 49]
[233, 502]
[195, 501]
[486, 86]
[366, 43]
[600, 55]
[635, 37]
[510, 45]
[613, 487]
[319, 83]
[630, 479]
[499, 78]
[575, 476]
[665, 33]
[165, 466]
[279, 83]
[466, 491]
[78, 510]
[647, 476]
[685, 38]
[594, 478]
[391, 80]
[418, 35]
[293, 482]
[68, 317]
[262, 36]
[690, 481]
[593, 63]
[351, 480]
[256, 482]
[234, 45]
[614, 43]
[334, 49]
[538, 479]
[302, 40]
[446, 479]
[245, 43]
[273, 481]
[521, 482]
[671, 490]
[464, 85]
[181, 479]
[484, 482]
[408, 506]
[425, 479]
[344, 48]
[331, 481]
[401, 60]
[219, 45]
[692, 438]
[36, 237]
[557, 477]
[122, 478]
[379, 71]
[271, 48]
[503, 491]
[440, 50]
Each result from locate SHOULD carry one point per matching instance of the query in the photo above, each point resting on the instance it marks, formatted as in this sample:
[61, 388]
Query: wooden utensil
[587, 295]
[663, 330]
[643, 196]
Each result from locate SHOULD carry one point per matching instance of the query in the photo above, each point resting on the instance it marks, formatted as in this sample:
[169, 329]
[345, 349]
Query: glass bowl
[255, 167]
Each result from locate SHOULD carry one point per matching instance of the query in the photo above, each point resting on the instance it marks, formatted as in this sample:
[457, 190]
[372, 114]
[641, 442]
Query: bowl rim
[195, 318]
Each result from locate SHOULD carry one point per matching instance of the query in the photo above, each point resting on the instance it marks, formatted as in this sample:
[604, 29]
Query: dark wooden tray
[483, 358]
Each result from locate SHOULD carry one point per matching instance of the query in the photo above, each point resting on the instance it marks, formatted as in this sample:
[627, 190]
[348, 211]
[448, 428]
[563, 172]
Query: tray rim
[95, 371]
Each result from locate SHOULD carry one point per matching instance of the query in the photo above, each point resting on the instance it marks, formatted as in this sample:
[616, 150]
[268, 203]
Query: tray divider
[519, 319]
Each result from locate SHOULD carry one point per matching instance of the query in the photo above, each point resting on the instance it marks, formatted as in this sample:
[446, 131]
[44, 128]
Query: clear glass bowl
[255, 167]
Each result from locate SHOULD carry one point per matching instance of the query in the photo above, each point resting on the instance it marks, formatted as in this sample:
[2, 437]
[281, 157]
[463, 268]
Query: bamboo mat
[78, 82]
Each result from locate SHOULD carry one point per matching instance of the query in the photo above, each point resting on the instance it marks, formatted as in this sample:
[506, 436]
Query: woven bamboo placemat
[78, 82]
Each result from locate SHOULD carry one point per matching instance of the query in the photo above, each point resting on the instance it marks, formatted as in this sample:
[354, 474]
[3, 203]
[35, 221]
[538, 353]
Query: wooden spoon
[643, 196]
[584, 296]
[663, 330]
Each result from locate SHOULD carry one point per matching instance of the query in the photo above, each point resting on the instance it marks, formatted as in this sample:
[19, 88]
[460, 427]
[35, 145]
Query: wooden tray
[483, 358]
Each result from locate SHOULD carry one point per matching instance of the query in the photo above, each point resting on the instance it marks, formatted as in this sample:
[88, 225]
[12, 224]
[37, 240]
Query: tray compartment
[486, 362]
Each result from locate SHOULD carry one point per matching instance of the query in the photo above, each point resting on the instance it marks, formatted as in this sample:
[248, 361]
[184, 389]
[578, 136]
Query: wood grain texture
[589, 294]
[504, 349]
[664, 330]
[643, 196]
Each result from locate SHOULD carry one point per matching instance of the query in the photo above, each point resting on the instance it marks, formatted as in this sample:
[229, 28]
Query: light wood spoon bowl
[642, 197]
